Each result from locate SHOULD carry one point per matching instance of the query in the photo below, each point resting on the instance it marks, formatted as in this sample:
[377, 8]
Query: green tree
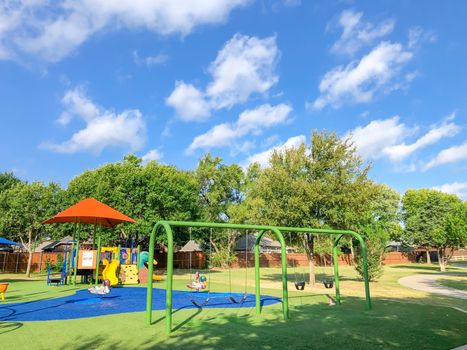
[433, 219]
[23, 207]
[324, 184]
[147, 193]
[7, 180]
[220, 192]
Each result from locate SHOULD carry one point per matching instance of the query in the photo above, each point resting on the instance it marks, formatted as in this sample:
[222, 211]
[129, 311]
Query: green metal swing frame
[277, 231]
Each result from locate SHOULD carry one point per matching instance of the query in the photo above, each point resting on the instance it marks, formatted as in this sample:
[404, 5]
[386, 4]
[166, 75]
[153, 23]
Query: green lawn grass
[456, 283]
[401, 318]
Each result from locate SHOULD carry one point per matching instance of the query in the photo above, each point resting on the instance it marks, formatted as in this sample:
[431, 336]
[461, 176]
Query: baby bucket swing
[299, 283]
[328, 281]
[201, 283]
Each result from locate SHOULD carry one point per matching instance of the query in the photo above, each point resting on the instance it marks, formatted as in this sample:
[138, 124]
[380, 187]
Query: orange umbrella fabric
[90, 211]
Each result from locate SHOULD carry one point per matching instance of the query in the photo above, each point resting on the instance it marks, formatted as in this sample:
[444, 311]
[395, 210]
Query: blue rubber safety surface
[120, 300]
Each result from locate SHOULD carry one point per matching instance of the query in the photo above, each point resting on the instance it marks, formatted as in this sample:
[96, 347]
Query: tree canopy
[434, 219]
[324, 184]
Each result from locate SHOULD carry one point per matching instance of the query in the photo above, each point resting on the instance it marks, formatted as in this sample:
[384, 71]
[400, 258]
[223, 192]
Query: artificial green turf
[410, 323]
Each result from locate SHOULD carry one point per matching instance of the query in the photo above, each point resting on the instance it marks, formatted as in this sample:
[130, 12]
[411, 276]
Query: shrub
[222, 258]
[58, 263]
[375, 239]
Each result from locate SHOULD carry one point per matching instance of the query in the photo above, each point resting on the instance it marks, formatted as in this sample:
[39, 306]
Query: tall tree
[433, 219]
[7, 180]
[220, 190]
[324, 184]
[23, 207]
[147, 193]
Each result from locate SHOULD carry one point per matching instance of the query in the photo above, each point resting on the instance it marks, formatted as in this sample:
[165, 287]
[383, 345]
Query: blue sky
[84, 83]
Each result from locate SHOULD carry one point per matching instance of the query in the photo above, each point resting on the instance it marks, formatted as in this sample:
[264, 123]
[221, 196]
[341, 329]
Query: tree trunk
[441, 262]
[312, 279]
[309, 247]
[428, 257]
[28, 269]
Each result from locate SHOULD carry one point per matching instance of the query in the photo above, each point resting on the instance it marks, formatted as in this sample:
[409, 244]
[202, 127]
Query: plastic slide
[143, 258]
[3, 288]
[143, 269]
[110, 271]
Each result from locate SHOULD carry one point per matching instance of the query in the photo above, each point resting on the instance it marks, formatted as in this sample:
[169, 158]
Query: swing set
[168, 226]
[328, 281]
[205, 279]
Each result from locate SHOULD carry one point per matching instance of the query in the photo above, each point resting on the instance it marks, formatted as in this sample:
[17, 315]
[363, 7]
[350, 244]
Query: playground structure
[3, 289]
[119, 265]
[277, 231]
[88, 211]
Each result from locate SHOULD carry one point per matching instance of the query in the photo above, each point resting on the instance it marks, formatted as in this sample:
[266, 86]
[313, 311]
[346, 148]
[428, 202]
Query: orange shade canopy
[90, 211]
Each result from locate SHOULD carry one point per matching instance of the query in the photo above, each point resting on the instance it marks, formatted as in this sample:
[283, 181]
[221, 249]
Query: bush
[58, 263]
[48, 264]
[375, 239]
[222, 258]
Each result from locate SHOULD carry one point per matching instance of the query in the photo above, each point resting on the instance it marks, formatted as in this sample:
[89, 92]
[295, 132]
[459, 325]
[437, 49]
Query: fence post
[5, 255]
[40, 262]
[17, 258]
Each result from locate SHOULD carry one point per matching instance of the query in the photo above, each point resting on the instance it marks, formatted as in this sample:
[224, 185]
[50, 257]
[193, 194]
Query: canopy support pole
[76, 257]
[98, 259]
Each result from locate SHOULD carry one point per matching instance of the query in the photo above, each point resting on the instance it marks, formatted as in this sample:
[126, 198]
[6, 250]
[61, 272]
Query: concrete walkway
[427, 283]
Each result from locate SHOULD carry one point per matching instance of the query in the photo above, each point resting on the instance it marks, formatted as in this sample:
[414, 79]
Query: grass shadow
[7, 327]
[425, 267]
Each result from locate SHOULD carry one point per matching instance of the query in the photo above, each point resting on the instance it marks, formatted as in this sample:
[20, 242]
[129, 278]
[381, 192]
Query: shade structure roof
[4, 241]
[90, 211]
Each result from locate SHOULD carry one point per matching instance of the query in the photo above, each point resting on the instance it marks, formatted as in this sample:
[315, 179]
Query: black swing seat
[241, 301]
[328, 283]
[300, 285]
[56, 280]
[200, 305]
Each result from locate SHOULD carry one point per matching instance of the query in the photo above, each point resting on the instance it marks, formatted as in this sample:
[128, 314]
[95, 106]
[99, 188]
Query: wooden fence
[17, 262]
[394, 258]
[293, 259]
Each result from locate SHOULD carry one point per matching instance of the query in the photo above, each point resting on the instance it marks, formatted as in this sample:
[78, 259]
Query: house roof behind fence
[191, 246]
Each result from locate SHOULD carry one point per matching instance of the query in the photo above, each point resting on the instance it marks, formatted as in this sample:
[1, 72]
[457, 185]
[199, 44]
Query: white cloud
[417, 35]
[188, 102]
[263, 157]
[10, 20]
[149, 60]
[218, 136]
[436, 133]
[359, 81]
[54, 30]
[152, 154]
[371, 140]
[457, 188]
[104, 128]
[448, 155]
[356, 33]
[264, 116]
[250, 121]
[244, 66]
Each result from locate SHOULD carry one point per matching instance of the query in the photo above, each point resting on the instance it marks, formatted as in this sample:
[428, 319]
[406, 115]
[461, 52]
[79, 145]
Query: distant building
[395, 246]
[56, 246]
[191, 246]
[266, 245]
